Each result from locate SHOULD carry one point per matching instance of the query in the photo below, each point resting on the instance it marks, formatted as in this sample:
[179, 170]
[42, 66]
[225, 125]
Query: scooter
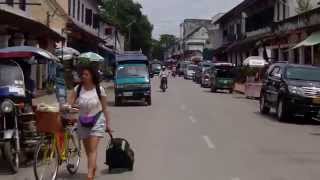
[164, 84]
[174, 74]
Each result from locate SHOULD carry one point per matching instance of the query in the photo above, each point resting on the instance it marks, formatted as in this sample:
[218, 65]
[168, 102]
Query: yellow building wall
[63, 4]
[50, 14]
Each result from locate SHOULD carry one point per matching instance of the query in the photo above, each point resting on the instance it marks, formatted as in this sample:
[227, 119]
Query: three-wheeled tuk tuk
[18, 134]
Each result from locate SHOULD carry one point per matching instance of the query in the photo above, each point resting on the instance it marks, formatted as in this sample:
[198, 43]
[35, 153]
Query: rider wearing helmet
[164, 74]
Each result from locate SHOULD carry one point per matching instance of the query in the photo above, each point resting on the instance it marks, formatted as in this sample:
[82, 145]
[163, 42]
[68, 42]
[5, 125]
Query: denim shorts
[98, 130]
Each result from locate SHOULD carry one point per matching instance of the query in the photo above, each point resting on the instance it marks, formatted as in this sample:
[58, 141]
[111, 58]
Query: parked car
[291, 89]
[182, 67]
[222, 77]
[200, 70]
[205, 78]
[156, 68]
[190, 71]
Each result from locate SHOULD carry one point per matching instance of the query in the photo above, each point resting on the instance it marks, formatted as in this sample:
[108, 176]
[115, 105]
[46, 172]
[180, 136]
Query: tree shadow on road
[296, 120]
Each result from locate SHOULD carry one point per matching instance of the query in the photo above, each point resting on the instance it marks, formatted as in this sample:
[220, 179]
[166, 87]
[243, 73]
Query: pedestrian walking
[94, 119]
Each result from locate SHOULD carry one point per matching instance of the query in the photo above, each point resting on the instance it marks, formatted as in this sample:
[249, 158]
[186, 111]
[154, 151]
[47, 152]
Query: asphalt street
[189, 133]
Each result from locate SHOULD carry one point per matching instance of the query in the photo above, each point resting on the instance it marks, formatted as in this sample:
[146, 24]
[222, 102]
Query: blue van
[132, 80]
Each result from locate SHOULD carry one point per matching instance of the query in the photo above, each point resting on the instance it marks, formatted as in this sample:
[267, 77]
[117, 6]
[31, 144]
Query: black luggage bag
[119, 154]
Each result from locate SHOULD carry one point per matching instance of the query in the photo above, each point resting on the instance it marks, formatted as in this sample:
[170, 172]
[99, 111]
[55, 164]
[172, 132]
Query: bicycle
[56, 148]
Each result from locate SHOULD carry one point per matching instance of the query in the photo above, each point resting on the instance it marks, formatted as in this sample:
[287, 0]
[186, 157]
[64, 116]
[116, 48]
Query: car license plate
[316, 100]
[128, 94]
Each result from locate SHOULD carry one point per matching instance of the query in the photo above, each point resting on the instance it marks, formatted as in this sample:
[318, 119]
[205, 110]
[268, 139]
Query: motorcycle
[174, 74]
[18, 133]
[12, 94]
[164, 84]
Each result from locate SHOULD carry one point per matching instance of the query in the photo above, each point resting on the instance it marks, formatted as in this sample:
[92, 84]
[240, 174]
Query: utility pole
[115, 30]
[129, 26]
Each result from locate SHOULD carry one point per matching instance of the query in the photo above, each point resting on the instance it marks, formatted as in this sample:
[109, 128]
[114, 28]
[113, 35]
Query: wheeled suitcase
[119, 154]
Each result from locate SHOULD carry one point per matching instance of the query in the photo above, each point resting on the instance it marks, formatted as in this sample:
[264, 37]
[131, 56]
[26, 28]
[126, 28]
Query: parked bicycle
[56, 148]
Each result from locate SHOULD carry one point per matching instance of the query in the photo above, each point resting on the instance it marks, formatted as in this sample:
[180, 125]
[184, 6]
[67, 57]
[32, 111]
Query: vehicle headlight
[7, 106]
[296, 90]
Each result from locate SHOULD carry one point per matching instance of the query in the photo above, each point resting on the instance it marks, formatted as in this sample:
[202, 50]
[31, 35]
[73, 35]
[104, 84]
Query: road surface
[189, 133]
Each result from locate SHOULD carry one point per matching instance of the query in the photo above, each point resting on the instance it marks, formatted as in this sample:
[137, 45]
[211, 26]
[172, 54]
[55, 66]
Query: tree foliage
[127, 16]
[160, 46]
[168, 40]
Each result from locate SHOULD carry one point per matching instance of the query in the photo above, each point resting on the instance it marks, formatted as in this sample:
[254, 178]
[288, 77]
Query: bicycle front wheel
[46, 160]
[74, 153]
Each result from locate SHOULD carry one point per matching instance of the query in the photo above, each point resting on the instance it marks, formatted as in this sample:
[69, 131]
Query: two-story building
[243, 28]
[20, 25]
[253, 28]
[194, 35]
[86, 31]
[27, 23]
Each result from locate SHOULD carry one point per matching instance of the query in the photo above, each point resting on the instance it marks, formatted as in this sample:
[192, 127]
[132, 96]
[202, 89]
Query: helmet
[163, 67]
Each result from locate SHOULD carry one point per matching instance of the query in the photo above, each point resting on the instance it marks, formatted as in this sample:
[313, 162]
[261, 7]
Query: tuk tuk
[222, 77]
[132, 78]
[18, 135]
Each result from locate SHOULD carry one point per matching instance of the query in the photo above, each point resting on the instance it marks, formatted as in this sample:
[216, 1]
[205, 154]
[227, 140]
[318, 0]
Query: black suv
[291, 89]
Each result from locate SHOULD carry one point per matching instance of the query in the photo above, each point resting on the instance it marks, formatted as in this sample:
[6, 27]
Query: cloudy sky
[166, 15]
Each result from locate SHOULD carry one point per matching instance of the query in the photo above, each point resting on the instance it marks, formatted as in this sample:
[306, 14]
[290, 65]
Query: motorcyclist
[174, 71]
[164, 74]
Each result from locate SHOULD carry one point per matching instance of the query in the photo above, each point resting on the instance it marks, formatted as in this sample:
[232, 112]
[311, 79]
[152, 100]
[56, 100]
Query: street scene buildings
[54, 24]
[159, 90]
[272, 29]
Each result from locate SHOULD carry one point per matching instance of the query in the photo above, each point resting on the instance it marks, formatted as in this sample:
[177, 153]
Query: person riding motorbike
[164, 74]
[174, 71]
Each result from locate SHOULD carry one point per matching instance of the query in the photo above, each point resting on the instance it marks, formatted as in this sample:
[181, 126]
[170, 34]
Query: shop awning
[312, 40]
[28, 25]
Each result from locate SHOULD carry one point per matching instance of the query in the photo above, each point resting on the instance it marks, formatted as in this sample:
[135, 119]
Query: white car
[190, 71]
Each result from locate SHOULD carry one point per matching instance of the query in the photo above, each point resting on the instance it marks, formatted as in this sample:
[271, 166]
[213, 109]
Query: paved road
[190, 133]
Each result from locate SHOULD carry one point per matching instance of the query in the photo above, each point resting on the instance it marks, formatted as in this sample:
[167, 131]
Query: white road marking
[192, 119]
[235, 178]
[209, 142]
[183, 107]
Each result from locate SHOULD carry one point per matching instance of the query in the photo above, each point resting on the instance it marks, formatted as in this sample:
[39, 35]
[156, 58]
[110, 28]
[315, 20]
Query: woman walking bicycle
[94, 118]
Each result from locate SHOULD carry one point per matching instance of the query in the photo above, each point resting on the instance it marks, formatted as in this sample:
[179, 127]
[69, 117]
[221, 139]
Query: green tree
[167, 40]
[157, 50]
[160, 46]
[127, 16]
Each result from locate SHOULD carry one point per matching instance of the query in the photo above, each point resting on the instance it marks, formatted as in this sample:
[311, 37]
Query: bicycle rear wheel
[74, 153]
[46, 160]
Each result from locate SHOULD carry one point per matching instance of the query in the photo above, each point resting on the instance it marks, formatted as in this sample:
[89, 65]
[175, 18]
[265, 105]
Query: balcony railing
[258, 32]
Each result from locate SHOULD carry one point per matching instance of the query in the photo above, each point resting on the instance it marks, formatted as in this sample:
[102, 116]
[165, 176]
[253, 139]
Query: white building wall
[89, 4]
[291, 8]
